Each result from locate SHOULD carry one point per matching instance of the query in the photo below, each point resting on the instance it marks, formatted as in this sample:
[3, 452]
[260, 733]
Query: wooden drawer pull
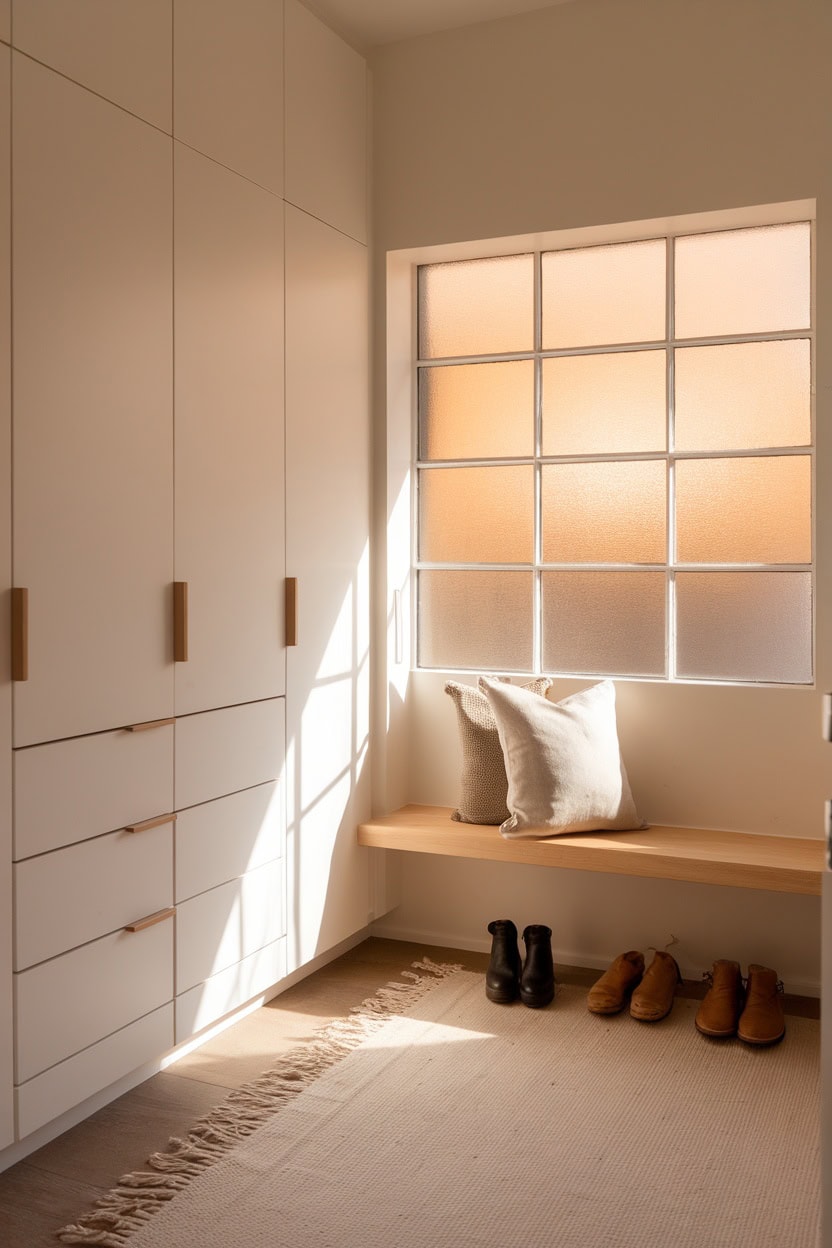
[20, 634]
[151, 920]
[147, 824]
[291, 610]
[150, 723]
[180, 621]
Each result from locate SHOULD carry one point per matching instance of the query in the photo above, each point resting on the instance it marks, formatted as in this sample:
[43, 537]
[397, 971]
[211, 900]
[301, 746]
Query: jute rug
[434, 1119]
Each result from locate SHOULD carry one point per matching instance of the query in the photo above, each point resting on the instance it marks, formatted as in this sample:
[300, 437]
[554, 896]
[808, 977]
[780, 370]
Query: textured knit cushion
[565, 772]
[484, 783]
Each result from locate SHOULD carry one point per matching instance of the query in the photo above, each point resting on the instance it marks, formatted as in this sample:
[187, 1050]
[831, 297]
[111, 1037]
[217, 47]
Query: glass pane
[476, 307]
[743, 396]
[604, 513]
[478, 620]
[477, 411]
[609, 623]
[744, 510]
[597, 295]
[743, 281]
[476, 515]
[744, 626]
[604, 404]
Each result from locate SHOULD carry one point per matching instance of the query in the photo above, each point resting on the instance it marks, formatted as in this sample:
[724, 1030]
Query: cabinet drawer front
[74, 895]
[69, 1083]
[72, 790]
[219, 752]
[221, 840]
[218, 928]
[64, 1005]
[233, 987]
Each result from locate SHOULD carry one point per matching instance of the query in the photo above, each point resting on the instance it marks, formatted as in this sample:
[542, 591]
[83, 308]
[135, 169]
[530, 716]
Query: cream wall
[588, 114]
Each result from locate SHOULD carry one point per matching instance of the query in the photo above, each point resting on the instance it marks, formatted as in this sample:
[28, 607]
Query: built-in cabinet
[93, 426]
[328, 672]
[229, 470]
[7, 1130]
[190, 426]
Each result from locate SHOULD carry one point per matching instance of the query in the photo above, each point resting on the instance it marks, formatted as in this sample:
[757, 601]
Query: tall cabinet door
[327, 505]
[229, 434]
[6, 1039]
[93, 408]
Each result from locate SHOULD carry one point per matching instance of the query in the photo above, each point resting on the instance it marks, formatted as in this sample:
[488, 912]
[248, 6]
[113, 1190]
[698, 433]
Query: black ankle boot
[537, 978]
[502, 978]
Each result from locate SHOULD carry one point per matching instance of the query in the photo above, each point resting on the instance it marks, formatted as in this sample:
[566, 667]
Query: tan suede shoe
[720, 1010]
[762, 1021]
[610, 993]
[653, 998]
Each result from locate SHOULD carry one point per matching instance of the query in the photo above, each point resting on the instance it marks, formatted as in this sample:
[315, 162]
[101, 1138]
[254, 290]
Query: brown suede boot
[653, 998]
[720, 1010]
[762, 1021]
[610, 993]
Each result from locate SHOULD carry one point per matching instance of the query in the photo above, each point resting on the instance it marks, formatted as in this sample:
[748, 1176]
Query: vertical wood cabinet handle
[291, 610]
[20, 634]
[180, 621]
[151, 920]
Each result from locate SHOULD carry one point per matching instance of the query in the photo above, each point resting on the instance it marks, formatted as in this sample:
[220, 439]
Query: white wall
[591, 114]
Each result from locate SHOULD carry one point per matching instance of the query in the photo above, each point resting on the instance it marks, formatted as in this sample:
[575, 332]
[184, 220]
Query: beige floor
[60, 1181]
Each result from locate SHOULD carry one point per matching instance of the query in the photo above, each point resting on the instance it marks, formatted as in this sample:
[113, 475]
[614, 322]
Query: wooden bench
[776, 863]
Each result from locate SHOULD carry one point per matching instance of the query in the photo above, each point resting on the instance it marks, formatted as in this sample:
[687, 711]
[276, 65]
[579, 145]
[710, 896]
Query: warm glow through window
[615, 459]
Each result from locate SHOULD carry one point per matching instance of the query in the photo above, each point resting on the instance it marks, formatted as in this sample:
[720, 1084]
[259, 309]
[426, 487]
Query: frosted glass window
[476, 307]
[753, 626]
[743, 396]
[605, 404]
[477, 620]
[633, 445]
[754, 510]
[477, 411]
[476, 515]
[604, 512]
[597, 295]
[597, 622]
[743, 281]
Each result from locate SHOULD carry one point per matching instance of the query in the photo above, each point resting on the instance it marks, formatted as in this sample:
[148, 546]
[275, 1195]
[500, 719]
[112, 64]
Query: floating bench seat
[775, 863]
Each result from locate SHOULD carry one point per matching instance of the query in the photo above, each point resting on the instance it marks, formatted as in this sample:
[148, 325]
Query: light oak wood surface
[743, 860]
[60, 1181]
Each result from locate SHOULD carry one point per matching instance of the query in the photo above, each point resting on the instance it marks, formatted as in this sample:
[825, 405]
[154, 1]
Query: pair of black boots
[505, 977]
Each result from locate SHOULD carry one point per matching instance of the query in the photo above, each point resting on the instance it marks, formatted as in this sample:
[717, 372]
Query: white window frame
[403, 431]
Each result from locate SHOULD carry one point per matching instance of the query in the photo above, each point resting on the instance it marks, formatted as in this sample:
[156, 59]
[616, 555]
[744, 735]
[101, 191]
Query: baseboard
[567, 957]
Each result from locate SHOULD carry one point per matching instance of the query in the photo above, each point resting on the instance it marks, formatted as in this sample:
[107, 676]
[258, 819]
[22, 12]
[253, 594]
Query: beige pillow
[565, 772]
[484, 783]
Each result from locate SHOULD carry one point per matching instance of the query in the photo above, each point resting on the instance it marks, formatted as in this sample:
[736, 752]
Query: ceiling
[368, 23]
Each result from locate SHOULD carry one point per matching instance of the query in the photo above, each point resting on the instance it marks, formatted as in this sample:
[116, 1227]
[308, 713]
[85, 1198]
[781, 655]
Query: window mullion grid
[613, 348]
[670, 501]
[537, 586]
[671, 456]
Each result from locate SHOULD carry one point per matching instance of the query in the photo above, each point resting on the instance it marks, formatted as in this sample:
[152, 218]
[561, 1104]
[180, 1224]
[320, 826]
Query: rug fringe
[129, 1206]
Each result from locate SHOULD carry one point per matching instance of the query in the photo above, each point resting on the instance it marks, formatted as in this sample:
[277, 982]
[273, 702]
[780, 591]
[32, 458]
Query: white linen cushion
[563, 762]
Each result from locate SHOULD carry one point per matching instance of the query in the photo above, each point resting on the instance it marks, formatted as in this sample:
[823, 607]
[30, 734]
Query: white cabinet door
[229, 434]
[6, 1039]
[328, 502]
[119, 51]
[326, 115]
[93, 422]
[228, 84]
[326, 124]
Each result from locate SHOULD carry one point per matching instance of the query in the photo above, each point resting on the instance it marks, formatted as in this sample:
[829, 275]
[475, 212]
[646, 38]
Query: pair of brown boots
[650, 993]
[752, 1011]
